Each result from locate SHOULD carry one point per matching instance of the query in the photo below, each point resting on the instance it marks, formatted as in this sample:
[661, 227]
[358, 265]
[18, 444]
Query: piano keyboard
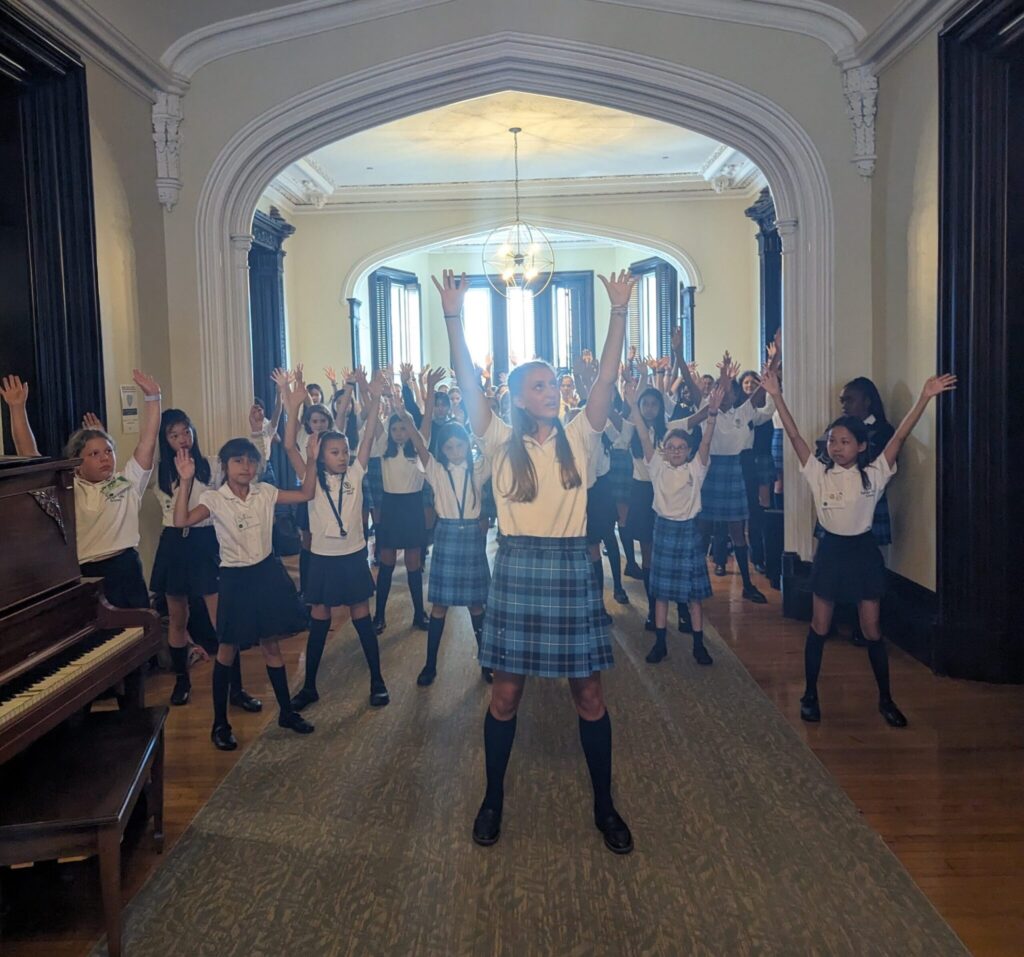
[34, 688]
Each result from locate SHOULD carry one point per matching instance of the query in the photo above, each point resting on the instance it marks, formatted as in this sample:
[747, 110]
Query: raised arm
[936, 385]
[712, 409]
[15, 394]
[637, 421]
[417, 437]
[145, 449]
[453, 293]
[619, 289]
[292, 396]
[308, 490]
[183, 515]
[773, 386]
[372, 392]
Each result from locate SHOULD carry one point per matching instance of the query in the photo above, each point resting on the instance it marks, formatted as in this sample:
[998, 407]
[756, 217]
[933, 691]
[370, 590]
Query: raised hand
[293, 397]
[313, 447]
[14, 391]
[300, 382]
[92, 421]
[359, 379]
[405, 371]
[629, 391]
[331, 375]
[716, 397]
[619, 288]
[938, 384]
[146, 383]
[434, 376]
[677, 338]
[376, 388]
[453, 292]
[185, 465]
[770, 381]
[282, 379]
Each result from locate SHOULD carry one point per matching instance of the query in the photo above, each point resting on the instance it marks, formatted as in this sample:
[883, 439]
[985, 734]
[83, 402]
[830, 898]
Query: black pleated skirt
[256, 602]
[401, 521]
[335, 580]
[186, 565]
[848, 568]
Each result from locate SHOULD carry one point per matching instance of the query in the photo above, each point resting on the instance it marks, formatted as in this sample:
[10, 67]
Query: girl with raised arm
[848, 565]
[544, 613]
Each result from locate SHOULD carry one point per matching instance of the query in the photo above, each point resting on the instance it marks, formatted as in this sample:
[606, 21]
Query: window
[653, 308]
[405, 325]
[563, 317]
[477, 323]
[522, 345]
[396, 334]
[648, 308]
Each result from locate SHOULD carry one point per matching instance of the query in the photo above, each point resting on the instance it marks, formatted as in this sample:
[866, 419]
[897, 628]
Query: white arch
[676, 255]
[608, 77]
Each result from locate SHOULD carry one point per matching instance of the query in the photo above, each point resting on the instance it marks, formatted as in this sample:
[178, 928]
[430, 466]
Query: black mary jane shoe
[658, 653]
[720, 571]
[617, 838]
[857, 639]
[649, 623]
[701, 656]
[810, 711]
[752, 593]
[487, 827]
[634, 571]
[620, 596]
[245, 701]
[182, 690]
[426, 677]
[223, 739]
[379, 694]
[421, 622]
[379, 624]
[294, 722]
[685, 626]
[488, 675]
[760, 568]
[893, 716]
[304, 699]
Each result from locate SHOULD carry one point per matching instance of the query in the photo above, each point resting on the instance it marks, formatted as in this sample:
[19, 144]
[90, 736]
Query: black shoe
[751, 593]
[720, 570]
[488, 675]
[304, 699]
[426, 677]
[760, 568]
[487, 827]
[421, 621]
[649, 623]
[620, 596]
[685, 626]
[857, 639]
[893, 716]
[701, 656]
[245, 701]
[223, 739]
[182, 690]
[379, 624]
[657, 653]
[633, 570]
[294, 722]
[809, 710]
[379, 694]
[617, 838]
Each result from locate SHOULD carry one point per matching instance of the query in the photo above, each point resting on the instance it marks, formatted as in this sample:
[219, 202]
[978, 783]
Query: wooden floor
[946, 794]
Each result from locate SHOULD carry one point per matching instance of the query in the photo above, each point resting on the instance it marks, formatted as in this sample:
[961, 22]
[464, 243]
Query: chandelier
[518, 257]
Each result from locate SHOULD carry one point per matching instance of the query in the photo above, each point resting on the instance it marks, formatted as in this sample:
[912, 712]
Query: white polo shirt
[401, 475]
[555, 512]
[244, 528]
[843, 504]
[107, 513]
[323, 526]
[167, 501]
[640, 471]
[734, 430]
[449, 485]
[677, 490]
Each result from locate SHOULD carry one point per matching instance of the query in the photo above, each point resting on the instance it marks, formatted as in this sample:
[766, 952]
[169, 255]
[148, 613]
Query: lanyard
[337, 508]
[461, 504]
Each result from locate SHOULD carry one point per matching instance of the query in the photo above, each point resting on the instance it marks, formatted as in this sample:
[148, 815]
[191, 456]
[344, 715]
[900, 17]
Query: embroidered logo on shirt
[116, 489]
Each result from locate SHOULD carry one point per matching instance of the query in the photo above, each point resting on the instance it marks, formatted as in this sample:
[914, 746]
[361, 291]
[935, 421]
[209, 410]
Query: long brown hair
[524, 476]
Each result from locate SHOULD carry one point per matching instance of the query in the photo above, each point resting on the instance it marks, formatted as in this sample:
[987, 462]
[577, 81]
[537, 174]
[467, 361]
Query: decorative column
[769, 250]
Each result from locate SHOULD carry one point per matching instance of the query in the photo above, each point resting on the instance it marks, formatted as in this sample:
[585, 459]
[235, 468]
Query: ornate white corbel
[860, 87]
[167, 117]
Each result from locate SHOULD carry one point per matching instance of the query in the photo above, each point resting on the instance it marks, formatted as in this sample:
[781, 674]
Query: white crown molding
[217, 40]
[908, 24]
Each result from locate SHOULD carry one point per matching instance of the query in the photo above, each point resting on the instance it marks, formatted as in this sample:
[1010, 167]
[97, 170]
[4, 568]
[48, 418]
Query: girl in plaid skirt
[544, 611]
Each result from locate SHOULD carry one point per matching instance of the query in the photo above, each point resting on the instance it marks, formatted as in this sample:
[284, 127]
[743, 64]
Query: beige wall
[324, 256]
[905, 266]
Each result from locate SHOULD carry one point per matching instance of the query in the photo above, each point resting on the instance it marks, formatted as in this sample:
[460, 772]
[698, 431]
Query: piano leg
[134, 695]
[110, 885]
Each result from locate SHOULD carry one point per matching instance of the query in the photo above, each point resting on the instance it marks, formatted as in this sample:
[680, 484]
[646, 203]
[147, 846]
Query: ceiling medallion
[518, 257]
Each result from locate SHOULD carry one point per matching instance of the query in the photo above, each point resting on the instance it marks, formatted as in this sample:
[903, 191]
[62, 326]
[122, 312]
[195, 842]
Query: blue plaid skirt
[723, 495]
[373, 485]
[881, 522]
[545, 615]
[778, 440]
[678, 569]
[459, 575]
[620, 475]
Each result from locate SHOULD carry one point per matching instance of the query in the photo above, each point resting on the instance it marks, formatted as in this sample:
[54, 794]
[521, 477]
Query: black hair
[315, 385]
[453, 430]
[256, 400]
[860, 434]
[635, 445]
[869, 390]
[444, 397]
[309, 413]
[687, 437]
[167, 470]
[237, 449]
[391, 450]
[326, 436]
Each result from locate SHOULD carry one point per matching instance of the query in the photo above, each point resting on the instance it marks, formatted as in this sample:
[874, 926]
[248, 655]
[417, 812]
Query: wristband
[153, 398]
[459, 316]
[712, 414]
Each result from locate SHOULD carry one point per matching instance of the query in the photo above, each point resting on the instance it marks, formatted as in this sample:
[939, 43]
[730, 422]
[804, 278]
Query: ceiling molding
[100, 41]
[908, 24]
[195, 50]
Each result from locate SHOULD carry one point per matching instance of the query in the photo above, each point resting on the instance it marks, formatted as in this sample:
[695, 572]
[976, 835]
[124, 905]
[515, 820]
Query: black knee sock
[598, 566]
[650, 597]
[719, 545]
[434, 633]
[315, 649]
[221, 681]
[660, 639]
[698, 640]
[384, 574]
[416, 590]
[611, 546]
[305, 557]
[813, 649]
[478, 626]
[368, 641]
[684, 611]
[179, 660]
[236, 674]
[279, 682]
[627, 547]
[878, 655]
[742, 563]
[596, 738]
[498, 738]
